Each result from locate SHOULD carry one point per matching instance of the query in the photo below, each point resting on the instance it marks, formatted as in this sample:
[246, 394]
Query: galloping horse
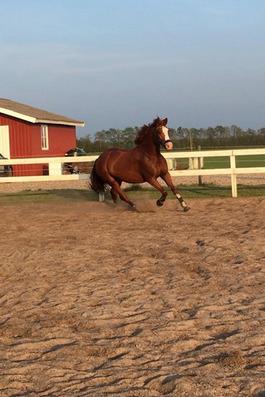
[143, 163]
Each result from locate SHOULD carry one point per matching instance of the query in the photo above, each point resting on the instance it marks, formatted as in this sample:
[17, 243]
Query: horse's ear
[157, 122]
[164, 121]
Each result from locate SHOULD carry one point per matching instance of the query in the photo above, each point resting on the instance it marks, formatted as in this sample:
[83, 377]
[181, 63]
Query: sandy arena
[97, 300]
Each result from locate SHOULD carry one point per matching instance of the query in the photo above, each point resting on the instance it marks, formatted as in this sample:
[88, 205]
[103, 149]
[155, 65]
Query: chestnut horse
[143, 163]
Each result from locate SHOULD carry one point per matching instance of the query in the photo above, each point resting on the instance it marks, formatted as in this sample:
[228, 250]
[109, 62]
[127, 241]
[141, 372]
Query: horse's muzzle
[168, 144]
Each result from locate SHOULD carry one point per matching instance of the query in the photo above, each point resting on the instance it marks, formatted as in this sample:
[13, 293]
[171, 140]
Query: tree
[211, 133]
[261, 131]
[236, 131]
[86, 143]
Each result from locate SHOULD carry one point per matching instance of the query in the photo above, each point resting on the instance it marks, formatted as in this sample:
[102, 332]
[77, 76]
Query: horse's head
[161, 133]
[157, 131]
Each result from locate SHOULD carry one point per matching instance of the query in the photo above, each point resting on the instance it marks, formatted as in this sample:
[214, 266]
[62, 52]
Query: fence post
[170, 164]
[101, 197]
[55, 168]
[233, 175]
[200, 165]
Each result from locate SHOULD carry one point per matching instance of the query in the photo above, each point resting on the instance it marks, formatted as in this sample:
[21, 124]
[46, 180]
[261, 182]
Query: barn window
[44, 137]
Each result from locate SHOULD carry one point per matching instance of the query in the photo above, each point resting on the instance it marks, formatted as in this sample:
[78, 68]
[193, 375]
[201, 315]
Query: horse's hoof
[186, 209]
[159, 203]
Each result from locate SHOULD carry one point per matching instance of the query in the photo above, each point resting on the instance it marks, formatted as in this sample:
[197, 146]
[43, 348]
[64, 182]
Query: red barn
[27, 132]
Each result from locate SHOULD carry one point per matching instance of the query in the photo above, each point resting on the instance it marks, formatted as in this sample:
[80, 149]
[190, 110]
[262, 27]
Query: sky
[120, 63]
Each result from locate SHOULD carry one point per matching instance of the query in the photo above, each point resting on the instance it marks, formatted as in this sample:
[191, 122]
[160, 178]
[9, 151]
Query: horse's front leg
[167, 178]
[153, 182]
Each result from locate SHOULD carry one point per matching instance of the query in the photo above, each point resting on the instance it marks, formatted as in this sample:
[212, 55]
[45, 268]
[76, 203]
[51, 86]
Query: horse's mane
[144, 130]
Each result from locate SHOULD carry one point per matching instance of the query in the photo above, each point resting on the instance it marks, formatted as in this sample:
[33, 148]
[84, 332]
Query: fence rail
[55, 165]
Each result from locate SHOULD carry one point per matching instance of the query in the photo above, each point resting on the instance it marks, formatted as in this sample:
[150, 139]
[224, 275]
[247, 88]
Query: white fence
[55, 165]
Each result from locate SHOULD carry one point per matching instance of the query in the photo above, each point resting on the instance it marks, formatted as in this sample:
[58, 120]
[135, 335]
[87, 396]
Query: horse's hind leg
[113, 193]
[167, 178]
[116, 190]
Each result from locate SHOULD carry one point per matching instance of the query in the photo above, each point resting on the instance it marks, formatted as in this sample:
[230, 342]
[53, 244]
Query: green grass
[83, 195]
[224, 162]
[241, 161]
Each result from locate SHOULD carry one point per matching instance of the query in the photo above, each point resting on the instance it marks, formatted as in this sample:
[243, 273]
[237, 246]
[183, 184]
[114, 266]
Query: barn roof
[35, 115]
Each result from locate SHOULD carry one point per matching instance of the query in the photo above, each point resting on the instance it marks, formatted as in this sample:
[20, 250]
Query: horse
[143, 163]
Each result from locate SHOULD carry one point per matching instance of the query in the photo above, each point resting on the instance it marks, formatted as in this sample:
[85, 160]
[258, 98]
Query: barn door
[4, 141]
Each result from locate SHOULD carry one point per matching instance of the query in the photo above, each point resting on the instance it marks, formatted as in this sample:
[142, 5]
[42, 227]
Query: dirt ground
[97, 300]
[221, 180]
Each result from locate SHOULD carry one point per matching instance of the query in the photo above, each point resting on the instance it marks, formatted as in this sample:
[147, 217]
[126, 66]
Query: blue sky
[119, 63]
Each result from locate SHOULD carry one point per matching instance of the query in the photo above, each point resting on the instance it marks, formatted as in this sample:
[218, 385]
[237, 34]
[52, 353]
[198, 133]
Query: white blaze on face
[168, 145]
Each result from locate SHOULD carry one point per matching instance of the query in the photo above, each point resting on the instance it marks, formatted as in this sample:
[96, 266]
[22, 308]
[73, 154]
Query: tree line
[182, 137]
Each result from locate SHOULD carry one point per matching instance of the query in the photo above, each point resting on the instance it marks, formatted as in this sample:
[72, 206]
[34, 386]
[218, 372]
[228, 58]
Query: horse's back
[120, 164]
[132, 166]
[111, 155]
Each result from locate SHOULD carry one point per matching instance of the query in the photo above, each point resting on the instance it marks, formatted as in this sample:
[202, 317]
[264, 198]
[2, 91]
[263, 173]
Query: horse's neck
[149, 146]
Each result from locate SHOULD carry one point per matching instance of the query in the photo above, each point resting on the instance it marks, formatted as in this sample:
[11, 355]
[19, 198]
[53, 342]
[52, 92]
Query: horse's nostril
[169, 146]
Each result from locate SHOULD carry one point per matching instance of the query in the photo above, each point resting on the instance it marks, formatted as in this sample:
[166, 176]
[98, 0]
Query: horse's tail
[96, 182]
